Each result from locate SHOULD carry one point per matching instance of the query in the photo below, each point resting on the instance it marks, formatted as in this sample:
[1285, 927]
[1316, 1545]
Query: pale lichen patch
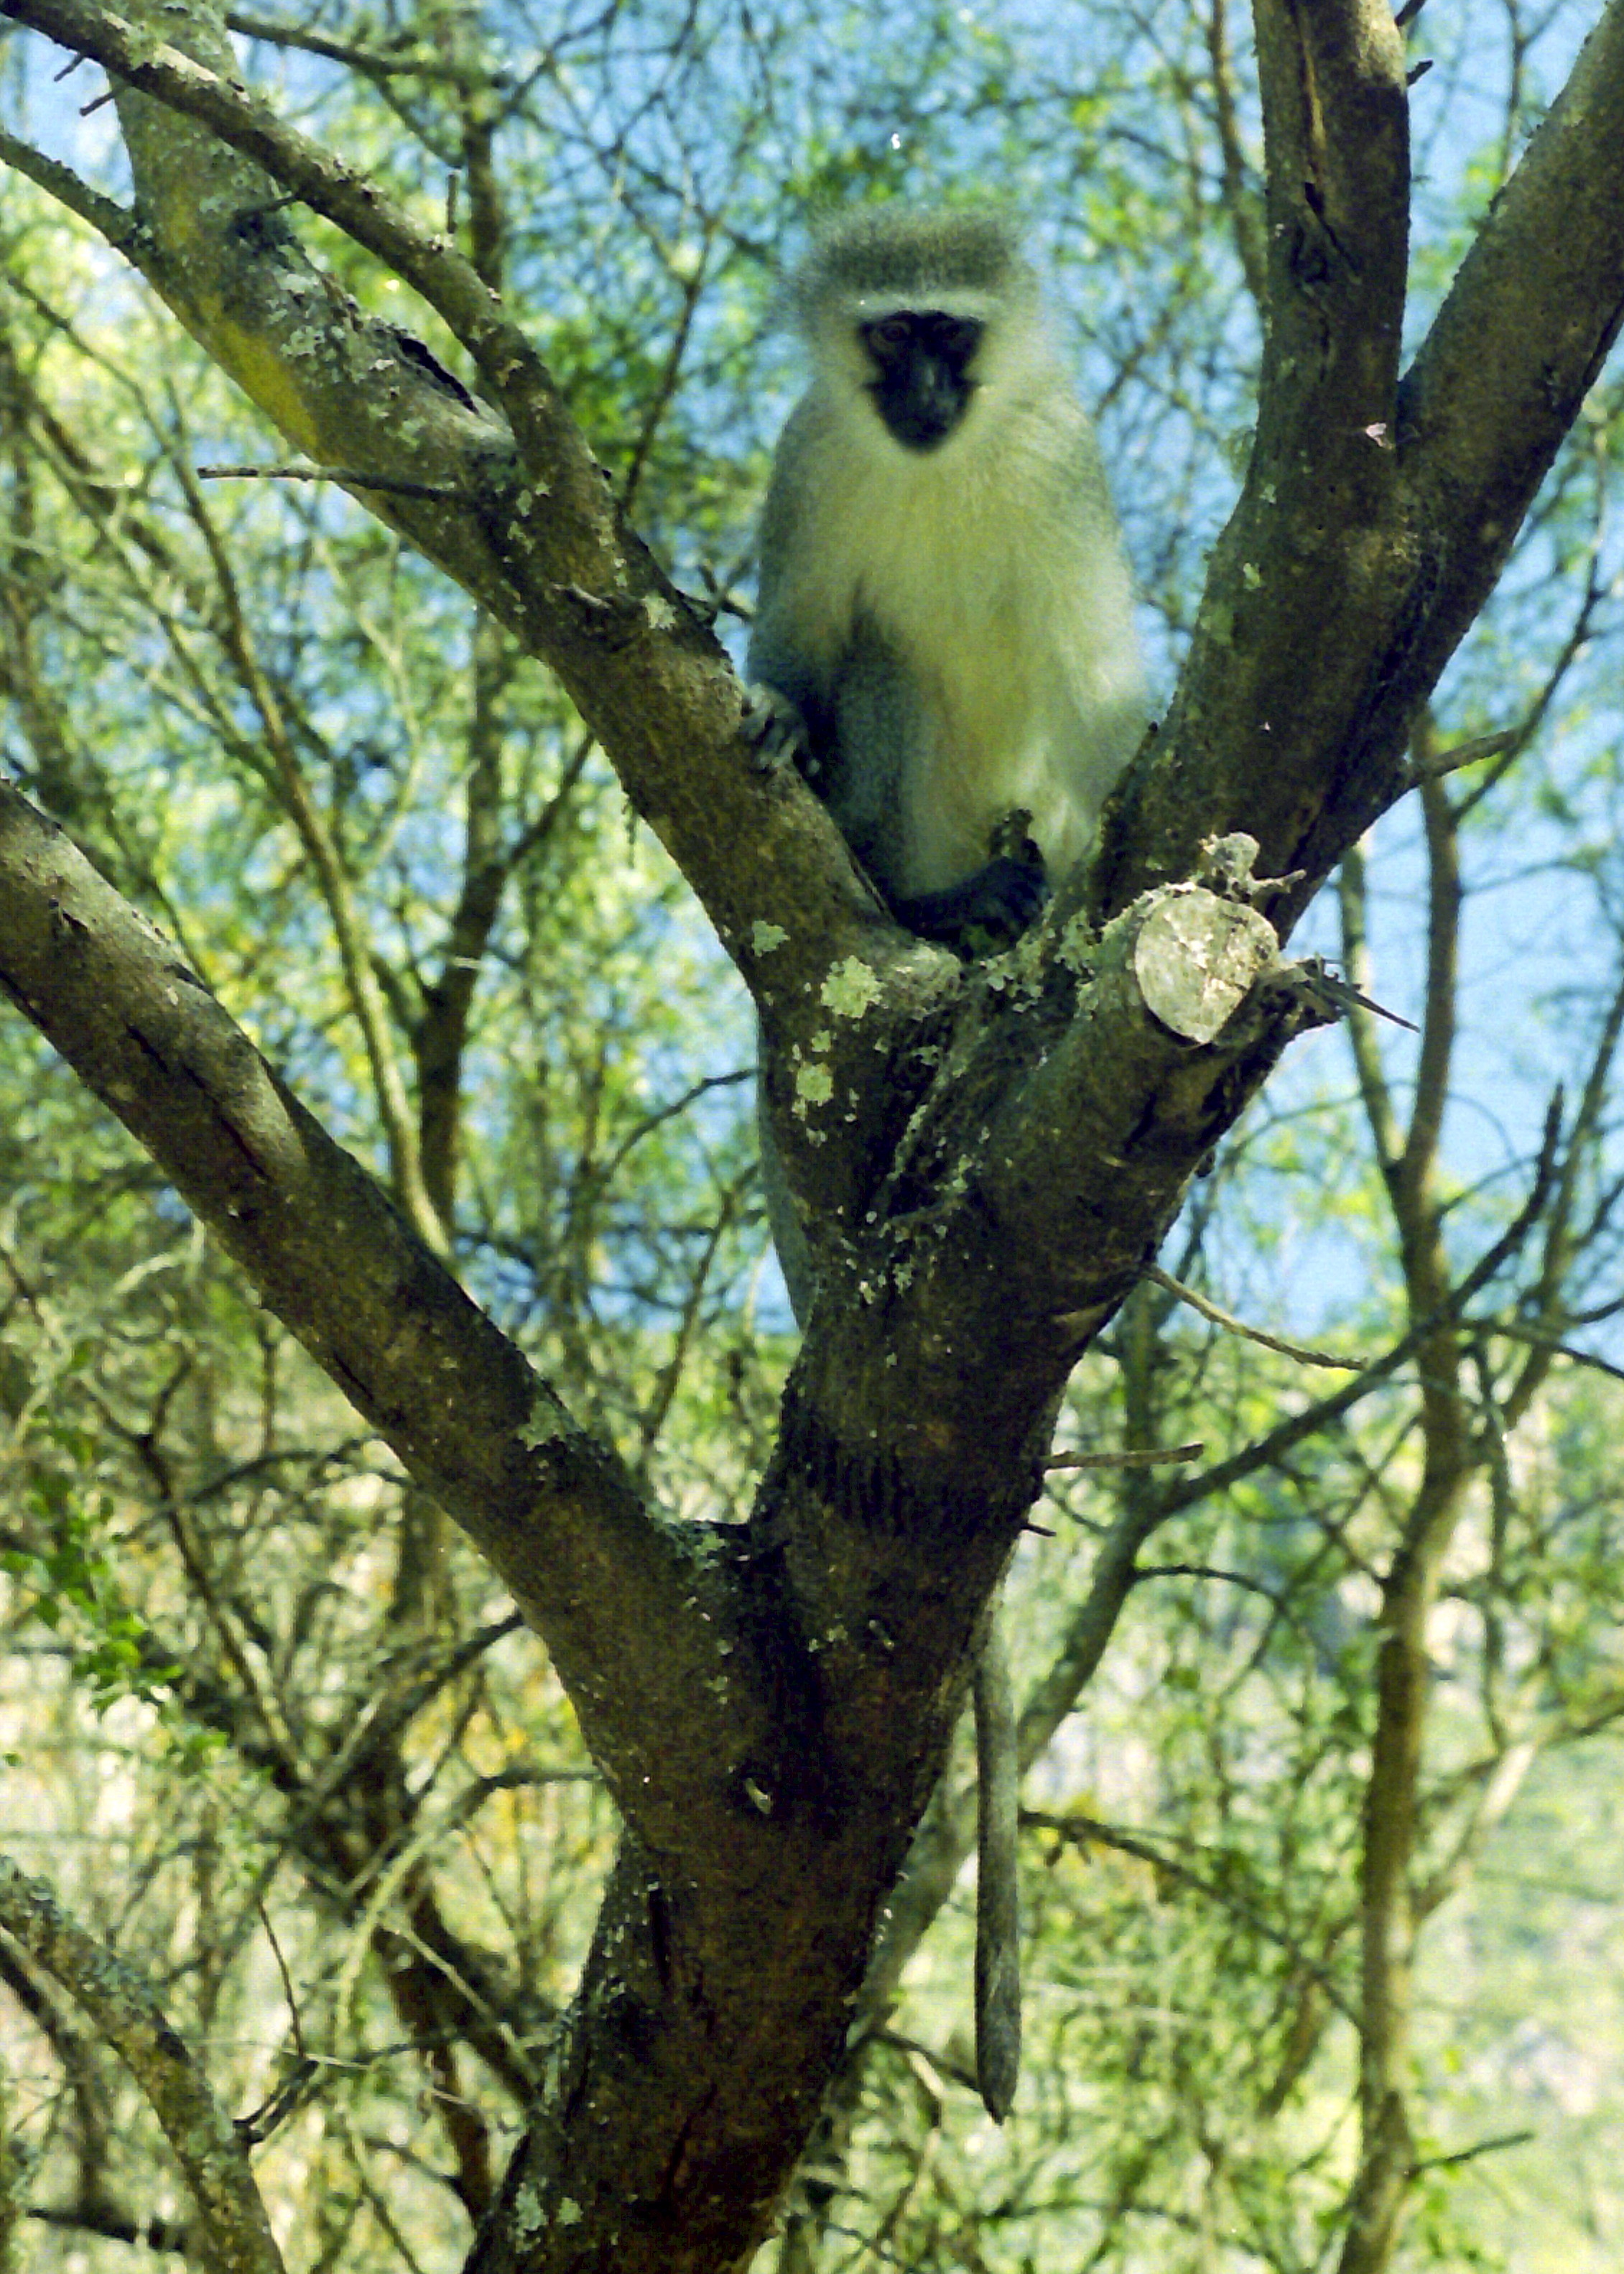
[850, 989]
[815, 1084]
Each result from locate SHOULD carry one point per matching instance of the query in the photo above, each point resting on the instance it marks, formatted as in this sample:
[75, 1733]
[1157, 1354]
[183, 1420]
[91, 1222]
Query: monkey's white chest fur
[995, 576]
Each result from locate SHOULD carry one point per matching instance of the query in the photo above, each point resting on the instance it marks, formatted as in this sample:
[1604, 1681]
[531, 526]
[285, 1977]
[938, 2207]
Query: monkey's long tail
[997, 1892]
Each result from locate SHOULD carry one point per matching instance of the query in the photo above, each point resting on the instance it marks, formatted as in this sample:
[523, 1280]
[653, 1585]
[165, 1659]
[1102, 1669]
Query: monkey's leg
[997, 1892]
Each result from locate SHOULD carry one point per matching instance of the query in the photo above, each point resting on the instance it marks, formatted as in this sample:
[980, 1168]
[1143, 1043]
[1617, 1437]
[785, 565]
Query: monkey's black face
[922, 384]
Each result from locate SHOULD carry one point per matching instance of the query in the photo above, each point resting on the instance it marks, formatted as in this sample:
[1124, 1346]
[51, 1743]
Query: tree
[1000, 1148]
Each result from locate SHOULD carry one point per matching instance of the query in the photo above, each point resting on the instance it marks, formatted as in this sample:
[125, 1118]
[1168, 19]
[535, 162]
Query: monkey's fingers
[775, 725]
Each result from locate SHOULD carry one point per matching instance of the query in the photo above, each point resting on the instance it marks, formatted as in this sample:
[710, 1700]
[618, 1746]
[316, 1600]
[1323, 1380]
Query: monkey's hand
[778, 730]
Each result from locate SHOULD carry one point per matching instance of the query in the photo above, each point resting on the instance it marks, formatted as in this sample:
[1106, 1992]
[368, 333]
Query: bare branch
[1231, 1325]
[116, 222]
[1523, 333]
[1139, 1459]
[554, 1511]
[232, 2234]
[351, 476]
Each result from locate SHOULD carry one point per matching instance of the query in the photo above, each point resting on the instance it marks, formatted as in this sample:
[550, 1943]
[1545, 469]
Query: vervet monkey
[945, 621]
[945, 643]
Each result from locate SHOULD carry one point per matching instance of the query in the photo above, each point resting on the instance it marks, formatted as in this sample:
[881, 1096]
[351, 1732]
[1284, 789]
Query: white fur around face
[991, 566]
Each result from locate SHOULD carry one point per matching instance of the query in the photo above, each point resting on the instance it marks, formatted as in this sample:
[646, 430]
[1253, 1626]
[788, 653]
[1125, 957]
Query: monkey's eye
[891, 337]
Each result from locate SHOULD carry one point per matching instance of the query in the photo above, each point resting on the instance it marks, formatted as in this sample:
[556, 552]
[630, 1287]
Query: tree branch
[554, 1511]
[539, 543]
[232, 2234]
[1304, 567]
[1535, 308]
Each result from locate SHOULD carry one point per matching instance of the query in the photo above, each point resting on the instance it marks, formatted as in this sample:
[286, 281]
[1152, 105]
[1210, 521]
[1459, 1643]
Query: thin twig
[1286, 1434]
[350, 476]
[1234, 1326]
[295, 2024]
[1078, 1830]
[1465, 754]
[1465, 2155]
[1516, 1332]
[1135, 1460]
[374, 62]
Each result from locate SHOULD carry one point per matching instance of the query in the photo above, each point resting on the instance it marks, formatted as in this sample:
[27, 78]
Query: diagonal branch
[1376, 517]
[138, 59]
[1531, 317]
[1304, 567]
[232, 2235]
[518, 513]
[554, 1511]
